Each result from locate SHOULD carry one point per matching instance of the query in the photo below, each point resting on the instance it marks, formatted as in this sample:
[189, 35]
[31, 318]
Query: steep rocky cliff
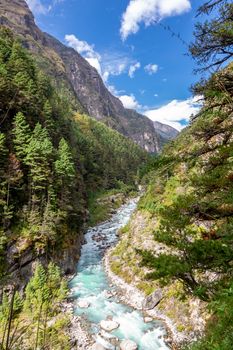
[76, 77]
[166, 131]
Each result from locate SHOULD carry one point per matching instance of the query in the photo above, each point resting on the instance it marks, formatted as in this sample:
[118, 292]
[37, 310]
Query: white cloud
[37, 7]
[148, 12]
[108, 64]
[129, 101]
[86, 50]
[81, 47]
[115, 63]
[133, 68]
[151, 68]
[175, 111]
[95, 62]
[156, 95]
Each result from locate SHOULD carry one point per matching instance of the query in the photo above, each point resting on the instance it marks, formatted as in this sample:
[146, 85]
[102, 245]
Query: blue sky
[140, 60]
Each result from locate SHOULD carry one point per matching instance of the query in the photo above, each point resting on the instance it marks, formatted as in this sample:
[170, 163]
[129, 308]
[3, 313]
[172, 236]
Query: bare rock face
[152, 300]
[69, 69]
[165, 131]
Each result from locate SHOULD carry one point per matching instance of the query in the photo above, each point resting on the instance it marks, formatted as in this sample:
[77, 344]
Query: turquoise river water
[91, 283]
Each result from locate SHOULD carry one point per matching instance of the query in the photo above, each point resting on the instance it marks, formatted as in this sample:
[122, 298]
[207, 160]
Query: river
[91, 285]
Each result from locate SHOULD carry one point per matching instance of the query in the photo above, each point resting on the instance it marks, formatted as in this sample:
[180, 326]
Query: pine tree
[22, 136]
[3, 185]
[3, 151]
[39, 155]
[64, 165]
[214, 37]
[36, 292]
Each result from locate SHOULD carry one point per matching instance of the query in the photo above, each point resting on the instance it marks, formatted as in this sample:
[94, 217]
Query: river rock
[152, 300]
[148, 319]
[128, 345]
[109, 325]
[108, 294]
[83, 304]
[96, 346]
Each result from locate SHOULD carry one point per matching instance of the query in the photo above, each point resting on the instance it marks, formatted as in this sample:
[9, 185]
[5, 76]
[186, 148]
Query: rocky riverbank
[80, 338]
[185, 318]
[130, 295]
[116, 292]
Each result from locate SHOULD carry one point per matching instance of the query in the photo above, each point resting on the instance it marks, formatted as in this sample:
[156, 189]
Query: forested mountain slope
[50, 162]
[77, 79]
[188, 210]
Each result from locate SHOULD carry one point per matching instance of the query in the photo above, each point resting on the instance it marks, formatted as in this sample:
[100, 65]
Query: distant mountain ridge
[71, 72]
[166, 131]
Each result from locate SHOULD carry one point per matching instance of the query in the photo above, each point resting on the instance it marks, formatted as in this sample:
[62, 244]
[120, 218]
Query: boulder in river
[109, 325]
[152, 300]
[108, 294]
[128, 345]
[83, 304]
[148, 319]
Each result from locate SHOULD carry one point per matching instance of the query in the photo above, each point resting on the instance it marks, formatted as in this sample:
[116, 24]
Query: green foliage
[64, 165]
[191, 198]
[32, 312]
[50, 161]
[112, 158]
[39, 155]
[22, 135]
[219, 332]
[44, 291]
[214, 37]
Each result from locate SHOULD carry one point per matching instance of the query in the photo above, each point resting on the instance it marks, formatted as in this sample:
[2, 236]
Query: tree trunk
[10, 319]
[38, 327]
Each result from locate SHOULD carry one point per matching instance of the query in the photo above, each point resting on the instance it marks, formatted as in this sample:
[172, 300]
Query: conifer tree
[39, 154]
[2, 149]
[22, 136]
[64, 165]
[3, 185]
[36, 292]
[47, 112]
[213, 45]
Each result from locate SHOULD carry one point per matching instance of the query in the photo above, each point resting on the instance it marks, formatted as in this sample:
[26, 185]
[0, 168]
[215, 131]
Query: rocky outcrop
[22, 258]
[185, 318]
[72, 72]
[152, 300]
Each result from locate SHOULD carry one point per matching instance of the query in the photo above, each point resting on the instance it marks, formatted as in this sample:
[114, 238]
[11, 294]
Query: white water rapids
[91, 283]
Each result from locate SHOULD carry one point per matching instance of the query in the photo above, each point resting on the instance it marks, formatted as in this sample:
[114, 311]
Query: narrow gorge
[116, 184]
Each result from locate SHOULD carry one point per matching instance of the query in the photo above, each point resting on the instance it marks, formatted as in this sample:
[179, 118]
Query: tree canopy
[213, 45]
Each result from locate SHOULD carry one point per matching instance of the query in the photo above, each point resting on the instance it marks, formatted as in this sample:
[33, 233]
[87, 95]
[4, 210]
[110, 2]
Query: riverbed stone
[128, 345]
[83, 304]
[152, 300]
[96, 346]
[108, 294]
[109, 325]
[148, 319]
